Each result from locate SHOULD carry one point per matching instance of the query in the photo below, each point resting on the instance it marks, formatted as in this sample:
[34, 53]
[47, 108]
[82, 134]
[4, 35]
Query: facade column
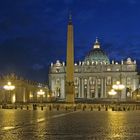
[79, 87]
[88, 92]
[96, 88]
[24, 98]
[102, 88]
[53, 84]
[82, 87]
[105, 88]
[134, 84]
[2, 96]
[27, 96]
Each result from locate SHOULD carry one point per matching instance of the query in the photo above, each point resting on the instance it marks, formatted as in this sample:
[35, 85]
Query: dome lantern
[96, 44]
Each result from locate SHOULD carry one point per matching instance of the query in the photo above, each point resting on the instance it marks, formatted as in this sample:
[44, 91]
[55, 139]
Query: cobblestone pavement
[69, 125]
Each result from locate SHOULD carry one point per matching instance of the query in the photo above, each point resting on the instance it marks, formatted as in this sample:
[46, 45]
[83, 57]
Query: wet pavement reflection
[69, 125]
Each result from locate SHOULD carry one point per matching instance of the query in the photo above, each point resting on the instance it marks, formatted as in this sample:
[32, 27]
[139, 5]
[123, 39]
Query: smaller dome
[129, 61]
[58, 64]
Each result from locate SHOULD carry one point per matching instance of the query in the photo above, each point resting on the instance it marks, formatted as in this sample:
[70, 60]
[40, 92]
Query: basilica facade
[95, 75]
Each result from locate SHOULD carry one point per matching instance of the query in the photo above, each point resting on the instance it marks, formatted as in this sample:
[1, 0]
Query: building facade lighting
[9, 86]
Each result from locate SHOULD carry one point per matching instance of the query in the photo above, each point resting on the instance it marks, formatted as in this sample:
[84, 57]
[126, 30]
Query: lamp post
[112, 92]
[9, 87]
[41, 93]
[118, 87]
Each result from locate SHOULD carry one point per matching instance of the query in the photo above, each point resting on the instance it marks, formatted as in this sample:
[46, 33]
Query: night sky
[33, 32]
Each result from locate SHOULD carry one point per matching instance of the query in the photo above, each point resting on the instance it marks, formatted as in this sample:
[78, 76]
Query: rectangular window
[91, 81]
[85, 81]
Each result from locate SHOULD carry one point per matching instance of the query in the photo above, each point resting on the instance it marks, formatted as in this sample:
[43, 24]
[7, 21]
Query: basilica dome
[97, 55]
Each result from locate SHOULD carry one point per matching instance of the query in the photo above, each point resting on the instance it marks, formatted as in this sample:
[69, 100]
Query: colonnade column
[24, 96]
[62, 89]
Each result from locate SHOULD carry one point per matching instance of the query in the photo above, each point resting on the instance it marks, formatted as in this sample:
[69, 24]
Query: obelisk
[69, 85]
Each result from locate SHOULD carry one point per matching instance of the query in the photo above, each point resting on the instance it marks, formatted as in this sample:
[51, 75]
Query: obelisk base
[69, 92]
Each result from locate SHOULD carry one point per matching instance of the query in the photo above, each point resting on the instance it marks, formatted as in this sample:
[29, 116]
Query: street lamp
[118, 87]
[112, 92]
[41, 94]
[9, 87]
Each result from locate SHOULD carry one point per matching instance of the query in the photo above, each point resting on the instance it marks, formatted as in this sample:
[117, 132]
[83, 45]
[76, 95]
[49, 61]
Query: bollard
[91, 109]
[50, 108]
[5, 106]
[41, 107]
[34, 107]
[112, 108]
[124, 109]
[27, 107]
[57, 108]
[83, 108]
[128, 109]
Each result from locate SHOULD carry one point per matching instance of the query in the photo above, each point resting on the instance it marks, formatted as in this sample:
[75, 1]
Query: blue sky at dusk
[33, 32]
